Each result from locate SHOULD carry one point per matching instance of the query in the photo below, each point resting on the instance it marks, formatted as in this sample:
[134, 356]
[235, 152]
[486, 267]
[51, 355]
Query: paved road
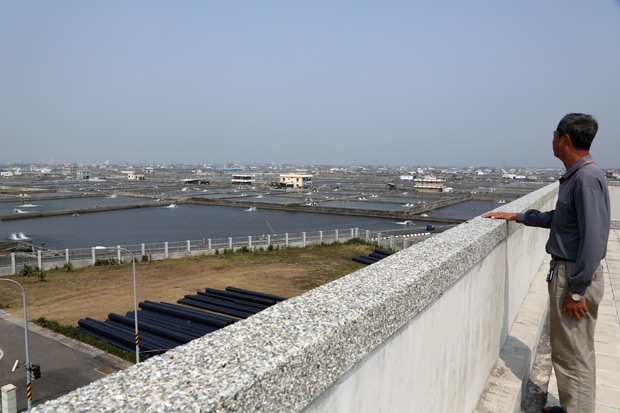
[65, 363]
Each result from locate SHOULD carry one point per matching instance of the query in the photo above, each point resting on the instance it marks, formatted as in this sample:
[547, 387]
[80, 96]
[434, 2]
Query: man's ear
[568, 141]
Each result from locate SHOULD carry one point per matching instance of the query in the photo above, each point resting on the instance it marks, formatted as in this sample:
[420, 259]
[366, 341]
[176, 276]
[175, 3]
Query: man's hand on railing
[508, 216]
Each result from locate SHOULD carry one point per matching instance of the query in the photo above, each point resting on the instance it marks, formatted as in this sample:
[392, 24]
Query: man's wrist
[575, 296]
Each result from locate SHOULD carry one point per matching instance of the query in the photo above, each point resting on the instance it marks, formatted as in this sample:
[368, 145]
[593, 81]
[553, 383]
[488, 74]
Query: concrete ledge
[285, 357]
[614, 197]
[507, 382]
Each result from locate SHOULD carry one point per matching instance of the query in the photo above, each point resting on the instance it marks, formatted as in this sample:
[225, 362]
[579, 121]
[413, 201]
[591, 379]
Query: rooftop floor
[606, 338]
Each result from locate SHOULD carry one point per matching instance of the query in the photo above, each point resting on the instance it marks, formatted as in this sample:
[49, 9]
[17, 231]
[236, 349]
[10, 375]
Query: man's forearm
[535, 218]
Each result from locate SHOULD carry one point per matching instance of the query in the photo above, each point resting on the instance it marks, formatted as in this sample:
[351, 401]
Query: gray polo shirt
[580, 222]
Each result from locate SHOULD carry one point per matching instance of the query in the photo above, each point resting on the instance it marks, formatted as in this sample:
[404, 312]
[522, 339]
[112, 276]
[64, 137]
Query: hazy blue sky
[318, 82]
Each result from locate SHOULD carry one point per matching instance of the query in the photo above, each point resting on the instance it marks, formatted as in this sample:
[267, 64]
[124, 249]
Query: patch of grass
[105, 261]
[77, 334]
[358, 241]
[77, 294]
[29, 270]
[26, 271]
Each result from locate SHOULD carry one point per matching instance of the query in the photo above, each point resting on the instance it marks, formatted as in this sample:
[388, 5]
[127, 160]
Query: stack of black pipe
[234, 301]
[373, 257]
[163, 326]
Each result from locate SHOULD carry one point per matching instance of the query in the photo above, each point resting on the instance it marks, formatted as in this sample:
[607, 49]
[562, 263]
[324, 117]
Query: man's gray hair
[580, 127]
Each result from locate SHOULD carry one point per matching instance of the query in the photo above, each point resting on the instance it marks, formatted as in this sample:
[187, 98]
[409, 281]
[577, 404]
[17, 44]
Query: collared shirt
[580, 222]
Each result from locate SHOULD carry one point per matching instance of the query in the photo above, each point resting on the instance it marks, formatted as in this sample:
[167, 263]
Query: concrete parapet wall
[441, 358]
[614, 196]
[417, 331]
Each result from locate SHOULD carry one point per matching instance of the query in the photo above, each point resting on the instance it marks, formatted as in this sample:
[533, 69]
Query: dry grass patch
[96, 291]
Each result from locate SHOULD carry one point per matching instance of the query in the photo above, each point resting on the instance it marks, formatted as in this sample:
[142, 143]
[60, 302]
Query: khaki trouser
[572, 341]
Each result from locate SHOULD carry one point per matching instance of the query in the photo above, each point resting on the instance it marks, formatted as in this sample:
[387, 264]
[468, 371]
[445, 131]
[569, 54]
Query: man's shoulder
[592, 176]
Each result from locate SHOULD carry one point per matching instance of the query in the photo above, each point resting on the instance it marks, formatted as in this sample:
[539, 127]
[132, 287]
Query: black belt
[556, 258]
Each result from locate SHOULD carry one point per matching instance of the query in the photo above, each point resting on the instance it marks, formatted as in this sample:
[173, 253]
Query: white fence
[83, 257]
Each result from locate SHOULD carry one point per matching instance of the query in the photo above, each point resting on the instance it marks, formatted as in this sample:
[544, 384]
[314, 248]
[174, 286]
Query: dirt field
[96, 291]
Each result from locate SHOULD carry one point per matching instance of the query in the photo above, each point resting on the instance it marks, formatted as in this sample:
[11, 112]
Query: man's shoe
[554, 409]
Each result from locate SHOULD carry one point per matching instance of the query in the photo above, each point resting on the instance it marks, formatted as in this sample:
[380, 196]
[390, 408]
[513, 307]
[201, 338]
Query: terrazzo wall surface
[440, 360]
[295, 354]
[614, 196]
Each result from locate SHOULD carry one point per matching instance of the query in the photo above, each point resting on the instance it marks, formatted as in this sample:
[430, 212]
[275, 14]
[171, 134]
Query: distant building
[612, 175]
[195, 181]
[512, 176]
[149, 170]
[69, 170]
[296, 180]
[6, 174]
[132, 176]
[83, 174]
[243, 180]
[429, 184]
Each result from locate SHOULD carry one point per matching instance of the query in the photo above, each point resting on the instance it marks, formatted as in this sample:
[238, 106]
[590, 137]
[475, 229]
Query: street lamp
[135, 299]
[28, 366]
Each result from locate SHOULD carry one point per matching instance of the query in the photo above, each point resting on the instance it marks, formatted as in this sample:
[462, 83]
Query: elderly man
[577, 243]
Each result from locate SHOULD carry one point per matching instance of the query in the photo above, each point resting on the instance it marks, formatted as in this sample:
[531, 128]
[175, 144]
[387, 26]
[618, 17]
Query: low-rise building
[243, 180]
[69, 169]
[83, 174]
[194, 181]
[612, 175]
[132, 176]
[296, 180]
[429, 184]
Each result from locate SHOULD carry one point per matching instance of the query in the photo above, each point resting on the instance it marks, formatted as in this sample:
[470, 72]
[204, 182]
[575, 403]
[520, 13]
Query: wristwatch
[576, 296]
